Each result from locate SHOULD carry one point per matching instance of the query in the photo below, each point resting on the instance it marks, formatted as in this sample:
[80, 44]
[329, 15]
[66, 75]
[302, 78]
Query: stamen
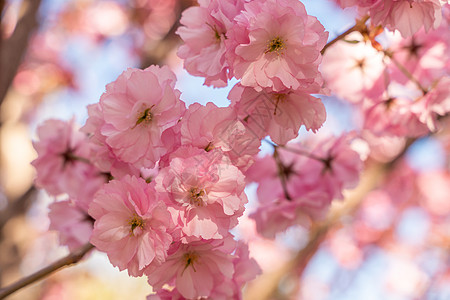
[135, 222]
[146, 116]
[196, 197]
[275, 45]
[190, 258]
[209, 147]
[278, 98]
[217, 34]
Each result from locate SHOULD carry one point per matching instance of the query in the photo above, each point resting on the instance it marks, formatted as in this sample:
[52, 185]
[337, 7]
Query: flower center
[278, 98]
[196, 197]
[217, 34]
[190, 258]
[360, 63]
[136, 222]
[209, 147]
[145, 117]
[275, 45]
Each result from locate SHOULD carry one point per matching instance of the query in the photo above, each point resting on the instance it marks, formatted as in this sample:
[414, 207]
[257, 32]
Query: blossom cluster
[406, 16]
[158, 186]
[402, 89]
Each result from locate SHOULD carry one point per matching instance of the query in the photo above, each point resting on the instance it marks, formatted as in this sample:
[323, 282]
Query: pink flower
[425, 55]
[136, 109]
[210, 127]
[407, 16]
[353, 71]
[195, 268]
[279, 115]
[278, 214]
[246, 269]
[404, 15]
[204, 34]
[435, 103]
[101, 154]
[435, 188]
[298, 183]
[205, 194]
[62, 165]
[340, 166]
[131, 225]
[278, 46]
[73, 223]
[392, 116]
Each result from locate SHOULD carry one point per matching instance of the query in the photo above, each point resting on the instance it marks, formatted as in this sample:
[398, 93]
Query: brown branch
[158, 54]
[70, 259]
[16, 207]
[281, 173]
[13, 48]
[359, 26]
[406, 72]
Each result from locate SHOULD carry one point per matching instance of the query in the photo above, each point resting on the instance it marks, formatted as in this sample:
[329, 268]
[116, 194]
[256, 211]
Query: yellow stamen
[135, 222]
[196, 197]
[275, 45]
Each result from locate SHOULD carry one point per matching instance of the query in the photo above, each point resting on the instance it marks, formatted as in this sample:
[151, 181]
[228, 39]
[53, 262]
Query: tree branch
[360, 24]
[70, 259]
[13, 48]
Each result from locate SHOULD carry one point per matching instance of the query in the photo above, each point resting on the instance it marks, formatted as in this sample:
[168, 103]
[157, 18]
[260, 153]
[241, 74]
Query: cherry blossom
[353, 71]
[278, 46]
[195, 268]
[279, 115]
[101, 153]
[136, 109]
[205, 194]
[205, 37]
[62, 164]
[210, 127]
[73, 224]
[406, 16]
[131, 225]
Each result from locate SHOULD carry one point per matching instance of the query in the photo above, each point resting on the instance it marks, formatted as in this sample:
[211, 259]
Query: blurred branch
[13, 48]
[267, 284]
[158, 54]
[70, 259]
[16, 207]
[406, 72]
[2, 6]
[359, 26]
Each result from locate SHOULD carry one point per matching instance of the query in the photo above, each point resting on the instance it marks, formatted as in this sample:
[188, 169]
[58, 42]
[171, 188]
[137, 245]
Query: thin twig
[406, 72]
[296, 151]
[360, 24]
[70, 259]
[281, 174]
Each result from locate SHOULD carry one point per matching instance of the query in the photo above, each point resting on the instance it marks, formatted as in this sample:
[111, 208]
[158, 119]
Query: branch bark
[70, 259]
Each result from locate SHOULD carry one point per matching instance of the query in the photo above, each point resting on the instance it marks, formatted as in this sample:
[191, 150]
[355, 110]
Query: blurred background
[56, 56]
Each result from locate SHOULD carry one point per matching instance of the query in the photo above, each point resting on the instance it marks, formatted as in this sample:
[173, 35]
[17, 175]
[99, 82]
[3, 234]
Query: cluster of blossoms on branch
[401, 89]
[158, 186]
